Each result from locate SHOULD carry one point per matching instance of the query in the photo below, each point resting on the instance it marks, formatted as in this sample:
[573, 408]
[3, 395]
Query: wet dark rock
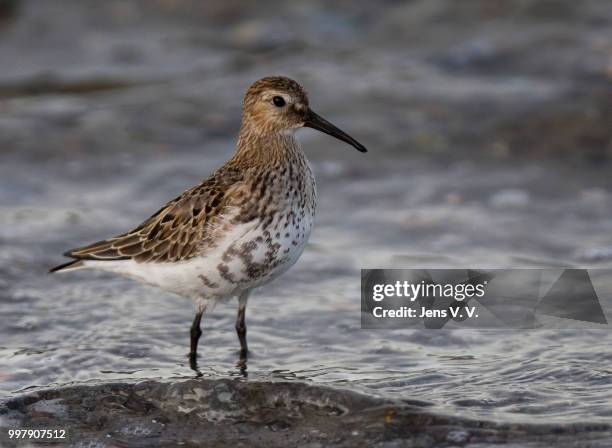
[254, 413]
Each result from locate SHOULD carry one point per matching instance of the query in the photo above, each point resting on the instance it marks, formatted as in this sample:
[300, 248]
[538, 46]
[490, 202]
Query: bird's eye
[278, 101]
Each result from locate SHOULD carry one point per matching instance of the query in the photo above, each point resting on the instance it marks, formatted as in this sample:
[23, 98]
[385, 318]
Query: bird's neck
[266, 149]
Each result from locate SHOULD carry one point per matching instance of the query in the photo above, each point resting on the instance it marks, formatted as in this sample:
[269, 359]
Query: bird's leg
[241, 325]
[196, 332]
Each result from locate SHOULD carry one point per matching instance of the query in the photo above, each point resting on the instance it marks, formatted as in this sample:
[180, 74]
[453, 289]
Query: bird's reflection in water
[241, 365]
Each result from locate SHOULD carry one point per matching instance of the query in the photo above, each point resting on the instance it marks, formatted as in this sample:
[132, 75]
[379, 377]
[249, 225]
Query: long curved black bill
[315, 121]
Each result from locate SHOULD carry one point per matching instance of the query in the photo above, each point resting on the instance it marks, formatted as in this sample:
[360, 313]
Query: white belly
[245, 257]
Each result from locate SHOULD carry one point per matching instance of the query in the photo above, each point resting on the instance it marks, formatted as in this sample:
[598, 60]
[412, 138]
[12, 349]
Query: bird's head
[277, 104]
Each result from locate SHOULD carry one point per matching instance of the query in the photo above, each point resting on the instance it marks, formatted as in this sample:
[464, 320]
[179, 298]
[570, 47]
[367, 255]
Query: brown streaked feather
[176, 231]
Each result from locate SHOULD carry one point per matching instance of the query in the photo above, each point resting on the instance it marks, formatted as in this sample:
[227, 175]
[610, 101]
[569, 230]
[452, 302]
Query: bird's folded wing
[175, 232]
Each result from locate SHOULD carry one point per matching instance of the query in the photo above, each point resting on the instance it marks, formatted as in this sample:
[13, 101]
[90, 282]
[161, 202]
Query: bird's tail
[72, 264]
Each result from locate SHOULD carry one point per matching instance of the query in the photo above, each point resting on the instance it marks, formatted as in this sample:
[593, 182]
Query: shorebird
[240, 228]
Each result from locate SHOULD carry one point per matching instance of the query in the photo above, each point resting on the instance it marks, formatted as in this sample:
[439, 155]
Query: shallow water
[488, 149]
[84, 326]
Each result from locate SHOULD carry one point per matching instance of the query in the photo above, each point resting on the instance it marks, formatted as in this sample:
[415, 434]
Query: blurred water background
[489, 129]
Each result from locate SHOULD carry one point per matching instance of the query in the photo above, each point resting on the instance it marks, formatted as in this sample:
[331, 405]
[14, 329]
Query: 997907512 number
[37, 433]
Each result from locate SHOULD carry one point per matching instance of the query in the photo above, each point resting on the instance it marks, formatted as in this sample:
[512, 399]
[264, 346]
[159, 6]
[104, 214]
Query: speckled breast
[270, 230]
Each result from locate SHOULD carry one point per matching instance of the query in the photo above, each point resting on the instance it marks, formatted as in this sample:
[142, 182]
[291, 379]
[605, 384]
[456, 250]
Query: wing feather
[175, 231]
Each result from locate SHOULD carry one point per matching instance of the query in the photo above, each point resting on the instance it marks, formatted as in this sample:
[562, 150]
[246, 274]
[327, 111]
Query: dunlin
[240, 228]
